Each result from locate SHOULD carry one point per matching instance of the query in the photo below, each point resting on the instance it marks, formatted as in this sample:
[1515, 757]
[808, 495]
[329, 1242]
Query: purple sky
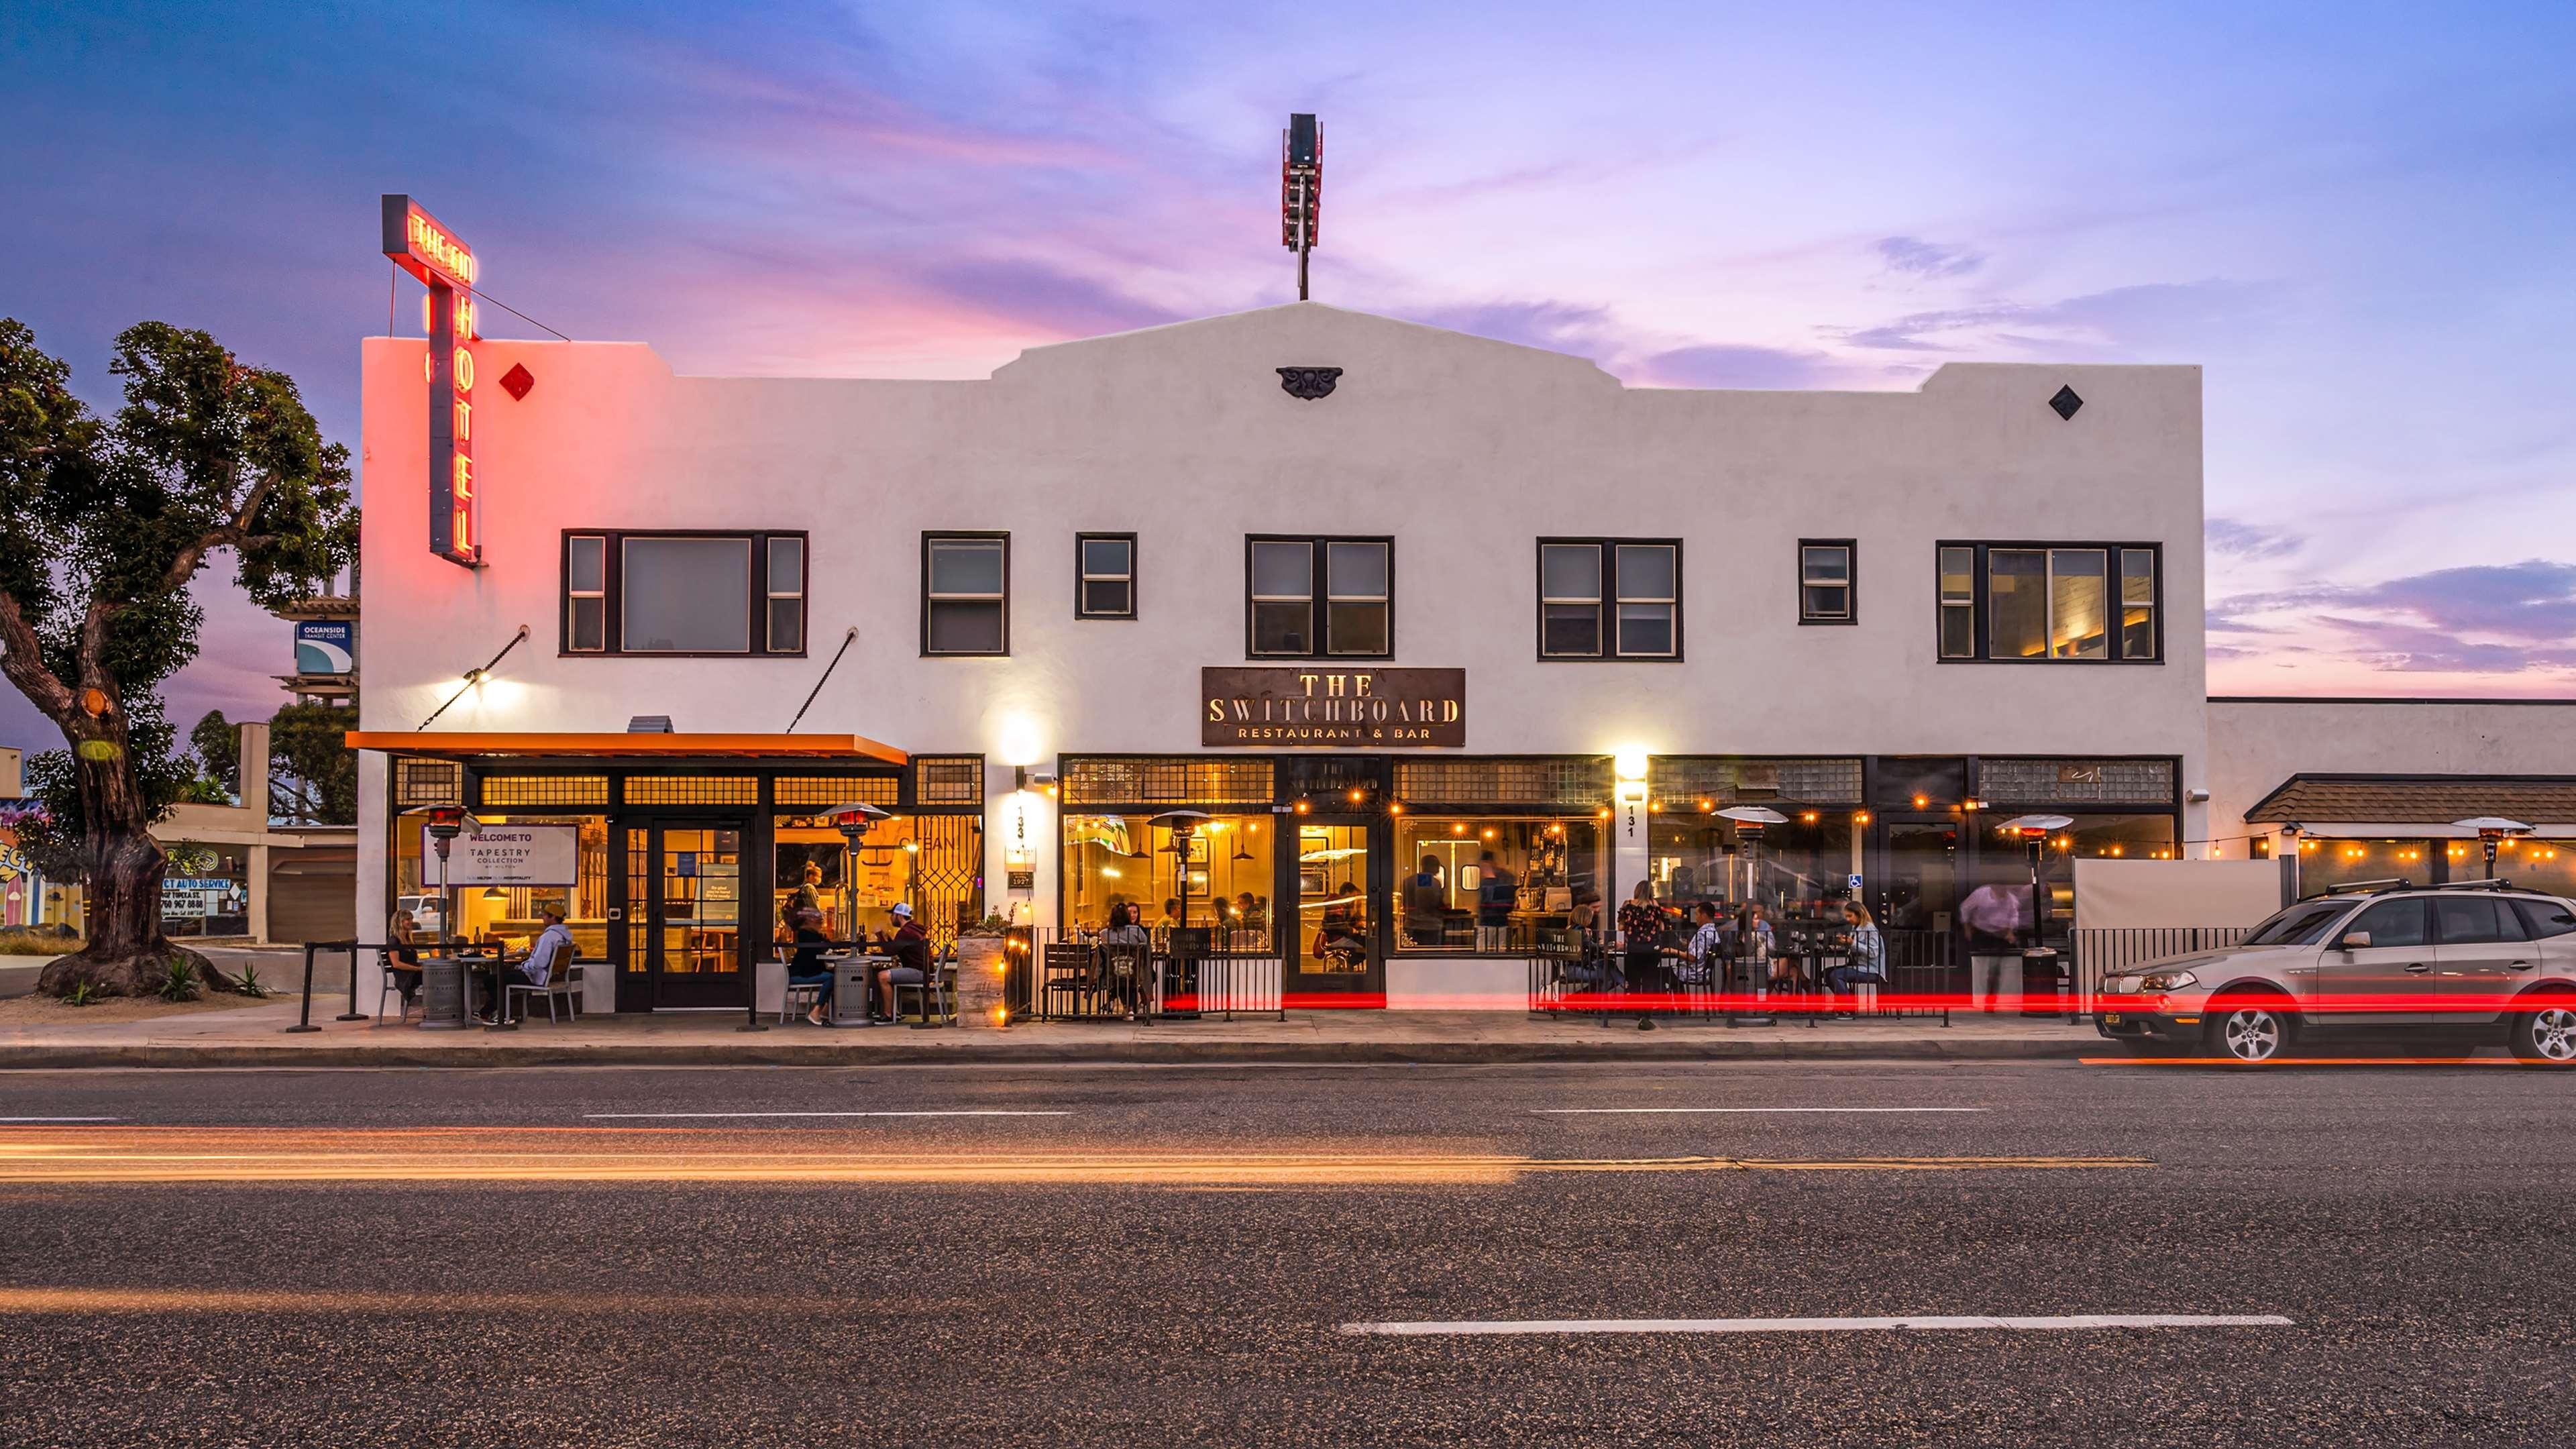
[2356, 216]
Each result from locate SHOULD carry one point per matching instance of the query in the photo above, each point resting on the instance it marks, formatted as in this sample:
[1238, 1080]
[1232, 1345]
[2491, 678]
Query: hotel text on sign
[1334, 707]
[429, 251]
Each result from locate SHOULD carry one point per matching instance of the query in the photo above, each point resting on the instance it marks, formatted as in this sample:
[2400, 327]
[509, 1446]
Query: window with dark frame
[1319, 597]
[1828, 586]
[651, 592]
[1609, 598]
[1104, 573]
[965, 594]
[2050, 602]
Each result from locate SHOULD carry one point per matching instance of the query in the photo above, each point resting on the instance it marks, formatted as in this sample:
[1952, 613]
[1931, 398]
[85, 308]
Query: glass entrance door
[1335, 949]
[684, 892]
[1918, 888]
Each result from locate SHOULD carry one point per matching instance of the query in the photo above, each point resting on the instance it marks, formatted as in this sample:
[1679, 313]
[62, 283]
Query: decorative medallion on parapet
[1308, 383]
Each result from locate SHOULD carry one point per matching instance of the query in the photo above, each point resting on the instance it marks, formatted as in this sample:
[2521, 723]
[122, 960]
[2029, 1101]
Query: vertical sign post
[421, 246]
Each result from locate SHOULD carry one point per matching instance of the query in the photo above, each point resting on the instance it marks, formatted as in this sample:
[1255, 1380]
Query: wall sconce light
[1628, 762]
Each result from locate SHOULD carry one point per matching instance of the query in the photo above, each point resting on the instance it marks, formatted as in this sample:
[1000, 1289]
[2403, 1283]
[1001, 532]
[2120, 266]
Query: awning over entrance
[2416, 805]
[462, 744]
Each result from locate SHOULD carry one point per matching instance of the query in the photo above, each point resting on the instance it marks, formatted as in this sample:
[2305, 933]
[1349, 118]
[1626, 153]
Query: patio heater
[446, 822]
[2033, 832]
[1184, 826]
[854, 820]
[2491, 829]
[1750, 821]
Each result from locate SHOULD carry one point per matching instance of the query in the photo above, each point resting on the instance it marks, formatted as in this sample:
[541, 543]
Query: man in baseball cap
[909, 945]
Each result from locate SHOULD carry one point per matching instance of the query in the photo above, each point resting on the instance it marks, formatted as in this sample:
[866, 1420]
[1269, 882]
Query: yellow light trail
[169, 1155]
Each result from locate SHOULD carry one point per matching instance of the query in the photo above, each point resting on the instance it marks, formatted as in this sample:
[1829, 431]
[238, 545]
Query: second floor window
[1104, 585]
[2050, 603]
[965, 593]
[1609, 598]
[1313, 598]
[666, 593]
[1827, 591]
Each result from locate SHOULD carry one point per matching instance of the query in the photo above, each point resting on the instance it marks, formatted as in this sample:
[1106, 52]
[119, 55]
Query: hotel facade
[1376, 598]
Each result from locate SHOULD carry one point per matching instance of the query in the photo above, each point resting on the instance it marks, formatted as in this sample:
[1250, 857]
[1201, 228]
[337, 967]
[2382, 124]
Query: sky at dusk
[2357, 217]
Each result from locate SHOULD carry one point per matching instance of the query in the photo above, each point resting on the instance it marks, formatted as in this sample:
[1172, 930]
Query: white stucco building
[1140, 572]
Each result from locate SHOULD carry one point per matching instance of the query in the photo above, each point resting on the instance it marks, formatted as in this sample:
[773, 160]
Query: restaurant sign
[508, 855]
[1333, 706]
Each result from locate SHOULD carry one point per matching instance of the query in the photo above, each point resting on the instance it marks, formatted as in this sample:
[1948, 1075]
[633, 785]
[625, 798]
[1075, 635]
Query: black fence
[1924, 980]
[1051, 975]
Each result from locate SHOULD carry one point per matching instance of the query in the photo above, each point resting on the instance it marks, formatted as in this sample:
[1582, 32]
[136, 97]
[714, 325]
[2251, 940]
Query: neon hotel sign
[429, 251]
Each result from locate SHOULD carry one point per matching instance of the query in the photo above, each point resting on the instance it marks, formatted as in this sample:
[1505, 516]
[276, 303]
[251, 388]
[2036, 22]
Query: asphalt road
[390, 1257]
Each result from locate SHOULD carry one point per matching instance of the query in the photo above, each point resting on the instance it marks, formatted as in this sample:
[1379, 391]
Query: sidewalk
[256, 1037]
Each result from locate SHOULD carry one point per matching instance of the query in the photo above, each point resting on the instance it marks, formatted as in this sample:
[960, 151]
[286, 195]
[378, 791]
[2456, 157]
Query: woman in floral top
[1641, 930]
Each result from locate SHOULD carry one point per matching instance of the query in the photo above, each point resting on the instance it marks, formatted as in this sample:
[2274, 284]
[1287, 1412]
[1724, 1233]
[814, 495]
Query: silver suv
[2477, 959]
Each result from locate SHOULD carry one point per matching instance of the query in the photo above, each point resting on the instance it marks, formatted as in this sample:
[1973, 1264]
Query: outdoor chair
[1126, 973]
[565, 984]
[385, 969]
[937, 989]
[1064, 972]
[809, 995]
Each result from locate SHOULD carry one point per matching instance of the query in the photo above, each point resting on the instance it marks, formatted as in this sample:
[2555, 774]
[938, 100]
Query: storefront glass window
[1997, 907]
[1552, 860]
[1797, 868]
[2540, 865]
[1231, 874]
[932, 862]
[2327, 863]
[507, 915]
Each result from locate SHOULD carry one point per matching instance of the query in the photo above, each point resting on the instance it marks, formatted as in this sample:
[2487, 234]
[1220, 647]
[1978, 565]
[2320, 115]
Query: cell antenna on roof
[1301, 188]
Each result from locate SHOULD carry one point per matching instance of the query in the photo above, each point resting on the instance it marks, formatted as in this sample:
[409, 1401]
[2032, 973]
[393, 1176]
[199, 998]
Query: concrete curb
[1671, 1046]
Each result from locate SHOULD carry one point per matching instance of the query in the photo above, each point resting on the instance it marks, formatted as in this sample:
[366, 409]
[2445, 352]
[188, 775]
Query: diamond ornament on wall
[2066, 402]
[517, 381]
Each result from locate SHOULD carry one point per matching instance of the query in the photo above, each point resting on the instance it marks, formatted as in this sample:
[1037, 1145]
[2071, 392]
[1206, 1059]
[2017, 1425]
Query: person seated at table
[909, 945]
[1864, 960]
[402, 962]
[1247, 926]
[1340, 938]
[1585, 919]
[1131, 939]
[1171, 920]
[807, 967]
[549, 953]
[1699, 962]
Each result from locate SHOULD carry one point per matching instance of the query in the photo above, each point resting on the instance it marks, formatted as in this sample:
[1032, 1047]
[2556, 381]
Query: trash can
[2043, 982]
[442, 994]
[852, 978]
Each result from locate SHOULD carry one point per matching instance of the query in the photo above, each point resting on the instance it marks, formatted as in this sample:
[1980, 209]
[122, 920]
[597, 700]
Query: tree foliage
[312, 772]
[103, 522]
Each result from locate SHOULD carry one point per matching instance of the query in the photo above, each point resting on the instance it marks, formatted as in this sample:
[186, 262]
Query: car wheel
[2545, 1035]
[2252, 1034]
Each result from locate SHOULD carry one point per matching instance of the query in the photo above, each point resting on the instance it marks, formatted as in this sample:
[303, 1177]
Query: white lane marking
[61, 1119]
[665, 1116]
[1733, 1111]
[2065, 1322]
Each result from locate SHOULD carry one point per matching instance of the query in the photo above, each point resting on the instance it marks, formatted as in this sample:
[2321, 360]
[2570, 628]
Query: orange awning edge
[461, 744]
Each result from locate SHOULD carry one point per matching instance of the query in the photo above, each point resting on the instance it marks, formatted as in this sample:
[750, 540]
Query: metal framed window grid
[932, 544]
[428, 782]
[591, 566]
[1672, 780]
[1104, 577]
[546, 789]
[1556, 783]
[2148, 780]
[1964, 617]
[1828, 581]
[1590, 580]
[948, 780]
[1345, 614]
[1093, 781]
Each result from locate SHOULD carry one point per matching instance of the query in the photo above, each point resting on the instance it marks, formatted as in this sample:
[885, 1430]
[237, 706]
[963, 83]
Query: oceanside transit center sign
[429, 251]
[1334, 707]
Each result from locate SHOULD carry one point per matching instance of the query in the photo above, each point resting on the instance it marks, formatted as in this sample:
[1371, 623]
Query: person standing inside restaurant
[551, 952]
[809, 895]
[1497, 892]
[1426, 905]
[909, 945]
[806, 967]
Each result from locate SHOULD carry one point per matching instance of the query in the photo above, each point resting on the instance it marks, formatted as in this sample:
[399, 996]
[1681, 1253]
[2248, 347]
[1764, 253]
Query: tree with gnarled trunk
[103, 522]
